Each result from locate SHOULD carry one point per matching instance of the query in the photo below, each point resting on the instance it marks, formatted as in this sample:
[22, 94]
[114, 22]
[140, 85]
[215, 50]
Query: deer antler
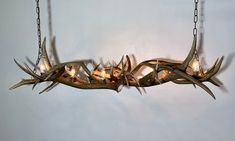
[77, 73]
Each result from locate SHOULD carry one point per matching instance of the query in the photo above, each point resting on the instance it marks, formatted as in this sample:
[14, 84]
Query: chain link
[39, 35]
[195, 18]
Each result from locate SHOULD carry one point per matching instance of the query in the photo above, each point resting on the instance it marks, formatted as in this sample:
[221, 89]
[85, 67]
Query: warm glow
[72, 72]
[89, 74]
[147, 70]
[42, 68]
[195, 66]
[150, 69]
[163, 74]
[103, 74]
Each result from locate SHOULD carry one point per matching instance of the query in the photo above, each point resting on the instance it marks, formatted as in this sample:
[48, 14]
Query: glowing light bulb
[195, 66]
[139, 77]
[151, 69]
[72, 72]
[42, 68]
[103, 74]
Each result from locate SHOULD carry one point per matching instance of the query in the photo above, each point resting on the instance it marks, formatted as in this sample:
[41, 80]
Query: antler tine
[24, 69]
[193, 80]
[47, 88]
[45, 56]
[121, 61]
[87, 71]
[227, 62]
[122, 67]
[128, 63]
[23, 82]
[126, 79]
[214, 70]
[35, 84]
[31, 72]
[186, 62]
[215, 81]
[96, 66]
[139, 90]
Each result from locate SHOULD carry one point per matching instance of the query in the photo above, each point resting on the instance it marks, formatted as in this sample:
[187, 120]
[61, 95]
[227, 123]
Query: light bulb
[103, 74]
[42, 68]
[195, 66]
[72, 72]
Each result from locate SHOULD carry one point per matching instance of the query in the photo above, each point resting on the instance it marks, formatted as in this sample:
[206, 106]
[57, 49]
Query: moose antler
[114, 76]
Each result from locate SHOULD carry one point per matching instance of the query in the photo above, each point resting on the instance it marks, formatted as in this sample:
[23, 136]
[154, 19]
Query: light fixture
[114, 76]
[42, 68]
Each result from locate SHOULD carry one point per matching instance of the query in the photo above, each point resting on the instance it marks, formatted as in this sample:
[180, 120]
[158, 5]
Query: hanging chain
[39, 35]
[195, 18]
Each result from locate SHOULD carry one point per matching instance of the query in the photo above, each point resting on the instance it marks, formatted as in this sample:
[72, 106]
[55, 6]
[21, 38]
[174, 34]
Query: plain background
[109, 29]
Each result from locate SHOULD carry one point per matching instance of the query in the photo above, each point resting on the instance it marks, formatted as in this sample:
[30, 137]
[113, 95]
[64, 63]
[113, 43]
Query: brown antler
[78, 75]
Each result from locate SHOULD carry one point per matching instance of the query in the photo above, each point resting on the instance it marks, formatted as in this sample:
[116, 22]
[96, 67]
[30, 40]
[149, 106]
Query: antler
[113, 76]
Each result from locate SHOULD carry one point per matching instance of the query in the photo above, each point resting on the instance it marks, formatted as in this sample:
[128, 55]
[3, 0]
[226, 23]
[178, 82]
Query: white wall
[109, 29]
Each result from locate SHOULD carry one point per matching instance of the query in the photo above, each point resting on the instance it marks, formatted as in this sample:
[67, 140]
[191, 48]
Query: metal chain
[39, 35]
[195, 18]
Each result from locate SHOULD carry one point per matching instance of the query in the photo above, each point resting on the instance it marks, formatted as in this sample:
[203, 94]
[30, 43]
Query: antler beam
[114, 76]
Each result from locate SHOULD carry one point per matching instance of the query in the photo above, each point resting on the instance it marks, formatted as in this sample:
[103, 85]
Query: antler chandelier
[87, 74]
